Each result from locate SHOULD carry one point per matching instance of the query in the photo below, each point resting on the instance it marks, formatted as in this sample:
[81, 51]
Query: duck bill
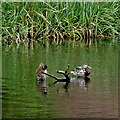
[89, 67]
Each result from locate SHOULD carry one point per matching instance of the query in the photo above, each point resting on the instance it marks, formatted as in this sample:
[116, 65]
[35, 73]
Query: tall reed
[23, 22]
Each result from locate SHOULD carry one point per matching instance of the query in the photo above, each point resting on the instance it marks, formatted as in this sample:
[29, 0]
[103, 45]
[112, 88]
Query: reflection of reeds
[25, 22]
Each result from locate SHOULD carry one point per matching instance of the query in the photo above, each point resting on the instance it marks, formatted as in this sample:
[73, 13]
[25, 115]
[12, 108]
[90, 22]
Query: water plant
[25, 22]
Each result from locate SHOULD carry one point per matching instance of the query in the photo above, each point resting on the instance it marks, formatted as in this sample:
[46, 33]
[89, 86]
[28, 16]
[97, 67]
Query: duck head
[42, 66]
[85, 66]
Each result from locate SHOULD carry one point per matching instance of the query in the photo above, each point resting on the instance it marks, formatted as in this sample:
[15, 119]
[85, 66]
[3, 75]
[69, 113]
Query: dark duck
[42, 68]
[82, 71]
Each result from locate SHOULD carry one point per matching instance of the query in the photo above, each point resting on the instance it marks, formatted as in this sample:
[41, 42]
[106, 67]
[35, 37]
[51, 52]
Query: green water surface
[22, 98]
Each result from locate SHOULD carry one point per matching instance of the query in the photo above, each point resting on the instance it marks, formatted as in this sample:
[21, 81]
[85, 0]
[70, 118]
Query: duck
[42, 68]
[82, 71]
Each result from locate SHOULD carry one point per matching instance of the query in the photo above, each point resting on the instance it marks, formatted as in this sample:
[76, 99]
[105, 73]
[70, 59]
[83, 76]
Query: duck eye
[45, 67]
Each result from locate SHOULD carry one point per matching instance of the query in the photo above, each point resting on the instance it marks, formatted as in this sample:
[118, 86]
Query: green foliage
[25, 22]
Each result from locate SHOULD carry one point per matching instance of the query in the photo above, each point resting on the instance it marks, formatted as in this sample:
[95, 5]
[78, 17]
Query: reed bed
[24, 22]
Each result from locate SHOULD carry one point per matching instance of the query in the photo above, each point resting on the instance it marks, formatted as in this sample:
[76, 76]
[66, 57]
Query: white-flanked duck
[82, 71]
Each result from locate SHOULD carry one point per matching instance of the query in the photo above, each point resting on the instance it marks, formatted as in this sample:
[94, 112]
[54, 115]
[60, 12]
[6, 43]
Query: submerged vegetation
[25, 22]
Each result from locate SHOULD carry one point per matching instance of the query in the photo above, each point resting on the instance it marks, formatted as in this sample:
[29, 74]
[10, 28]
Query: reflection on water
[81, 82]
[93, 97]
[41, 87]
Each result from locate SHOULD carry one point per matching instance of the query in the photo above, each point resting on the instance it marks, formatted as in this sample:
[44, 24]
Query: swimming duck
[82, 71]
[39, 74]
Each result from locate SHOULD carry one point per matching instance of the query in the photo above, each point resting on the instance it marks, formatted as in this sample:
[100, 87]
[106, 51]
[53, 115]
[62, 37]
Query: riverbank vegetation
[24, 22]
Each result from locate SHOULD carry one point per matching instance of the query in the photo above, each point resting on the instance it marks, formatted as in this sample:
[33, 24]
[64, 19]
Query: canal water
[94, 97]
